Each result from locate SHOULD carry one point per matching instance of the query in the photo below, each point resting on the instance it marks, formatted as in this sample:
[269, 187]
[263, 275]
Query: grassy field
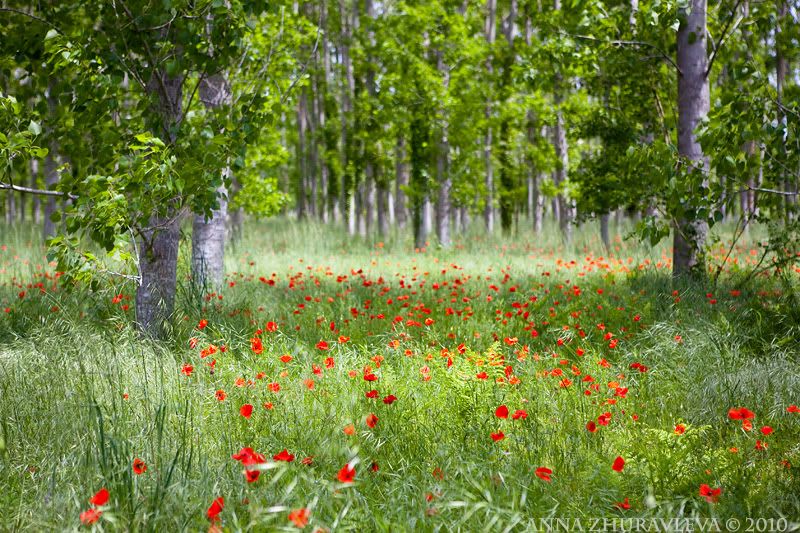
[482, 388]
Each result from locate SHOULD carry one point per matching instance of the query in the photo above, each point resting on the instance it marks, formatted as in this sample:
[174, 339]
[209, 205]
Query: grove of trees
[122, 121]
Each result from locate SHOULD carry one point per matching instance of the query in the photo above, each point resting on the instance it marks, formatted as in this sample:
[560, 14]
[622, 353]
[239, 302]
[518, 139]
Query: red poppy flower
[793, 409]
[256, 345]
[766, 430]
[299, 517]
[370, 377]
[623, 505]
[246, 410]
[100, 498]
[271, 327]
[501, 412]
[187, 370]
[284, 456]
[202, 324]
[220, 395]
[248, 457]
[619, 464]
[519, 414]
[215, 509]
[347, 474]
[389, 400]
[680, 429]
[90, 516]
[498, 436]
[544, 473]
[285, 358]
[372, 420]
[139, 466]
[342, 339]
[251, 476]
[604, 419]
[591, 426]
[481, 375]
[711, 495]
[329, 363]
[741, 413]
[372, 394]
[322, 345]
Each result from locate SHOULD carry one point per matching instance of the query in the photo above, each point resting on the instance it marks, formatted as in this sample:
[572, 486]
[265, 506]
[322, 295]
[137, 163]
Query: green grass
[68, 357]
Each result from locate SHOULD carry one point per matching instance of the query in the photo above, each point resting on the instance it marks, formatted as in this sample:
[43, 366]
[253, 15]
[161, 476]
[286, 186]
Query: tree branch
[42, 192]
[34, 17]
[623, 42]
[723, 36]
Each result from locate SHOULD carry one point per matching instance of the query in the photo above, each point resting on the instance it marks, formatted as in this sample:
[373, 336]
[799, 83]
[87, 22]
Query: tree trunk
[489, 32]
[302, 170]
[781, 72]
[443, 178]
[158, 264]
[35, 201]
[158, 250]
[401, 176]
[693, 104]
[604, 236]
[383, 209]
[208, 236]
[565, 204]
[50, 168]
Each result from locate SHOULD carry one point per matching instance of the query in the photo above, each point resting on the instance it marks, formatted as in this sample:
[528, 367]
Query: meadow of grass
[595, 356]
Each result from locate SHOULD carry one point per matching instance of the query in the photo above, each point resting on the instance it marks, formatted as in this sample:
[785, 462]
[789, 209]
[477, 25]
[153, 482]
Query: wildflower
[215, 509]
[90, 516]
[347, 474]
[711, 495]
[139, 466]
[501, 412]
[544, 473]
[284, 456]
[246, 410]
[619, 464]
[299, 517]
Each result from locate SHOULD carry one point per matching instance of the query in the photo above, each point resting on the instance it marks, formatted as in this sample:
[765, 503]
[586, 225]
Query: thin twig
[723, 36]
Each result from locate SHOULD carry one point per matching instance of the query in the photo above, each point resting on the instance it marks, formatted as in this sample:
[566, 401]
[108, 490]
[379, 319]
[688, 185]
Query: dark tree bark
[693, 104]
[158, 250]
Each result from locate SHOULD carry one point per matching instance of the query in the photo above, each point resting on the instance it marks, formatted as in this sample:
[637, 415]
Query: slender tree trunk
[565, 204]
[604, 234]
[489, 32]
[36, 201]
[235, 216]
[302, 162]
[383, 210]
[11, 207]
[443, 178]
[693, 104]
[50, 168]
[401, 177]
[348, 90]
[781, 72]
[209, 236]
